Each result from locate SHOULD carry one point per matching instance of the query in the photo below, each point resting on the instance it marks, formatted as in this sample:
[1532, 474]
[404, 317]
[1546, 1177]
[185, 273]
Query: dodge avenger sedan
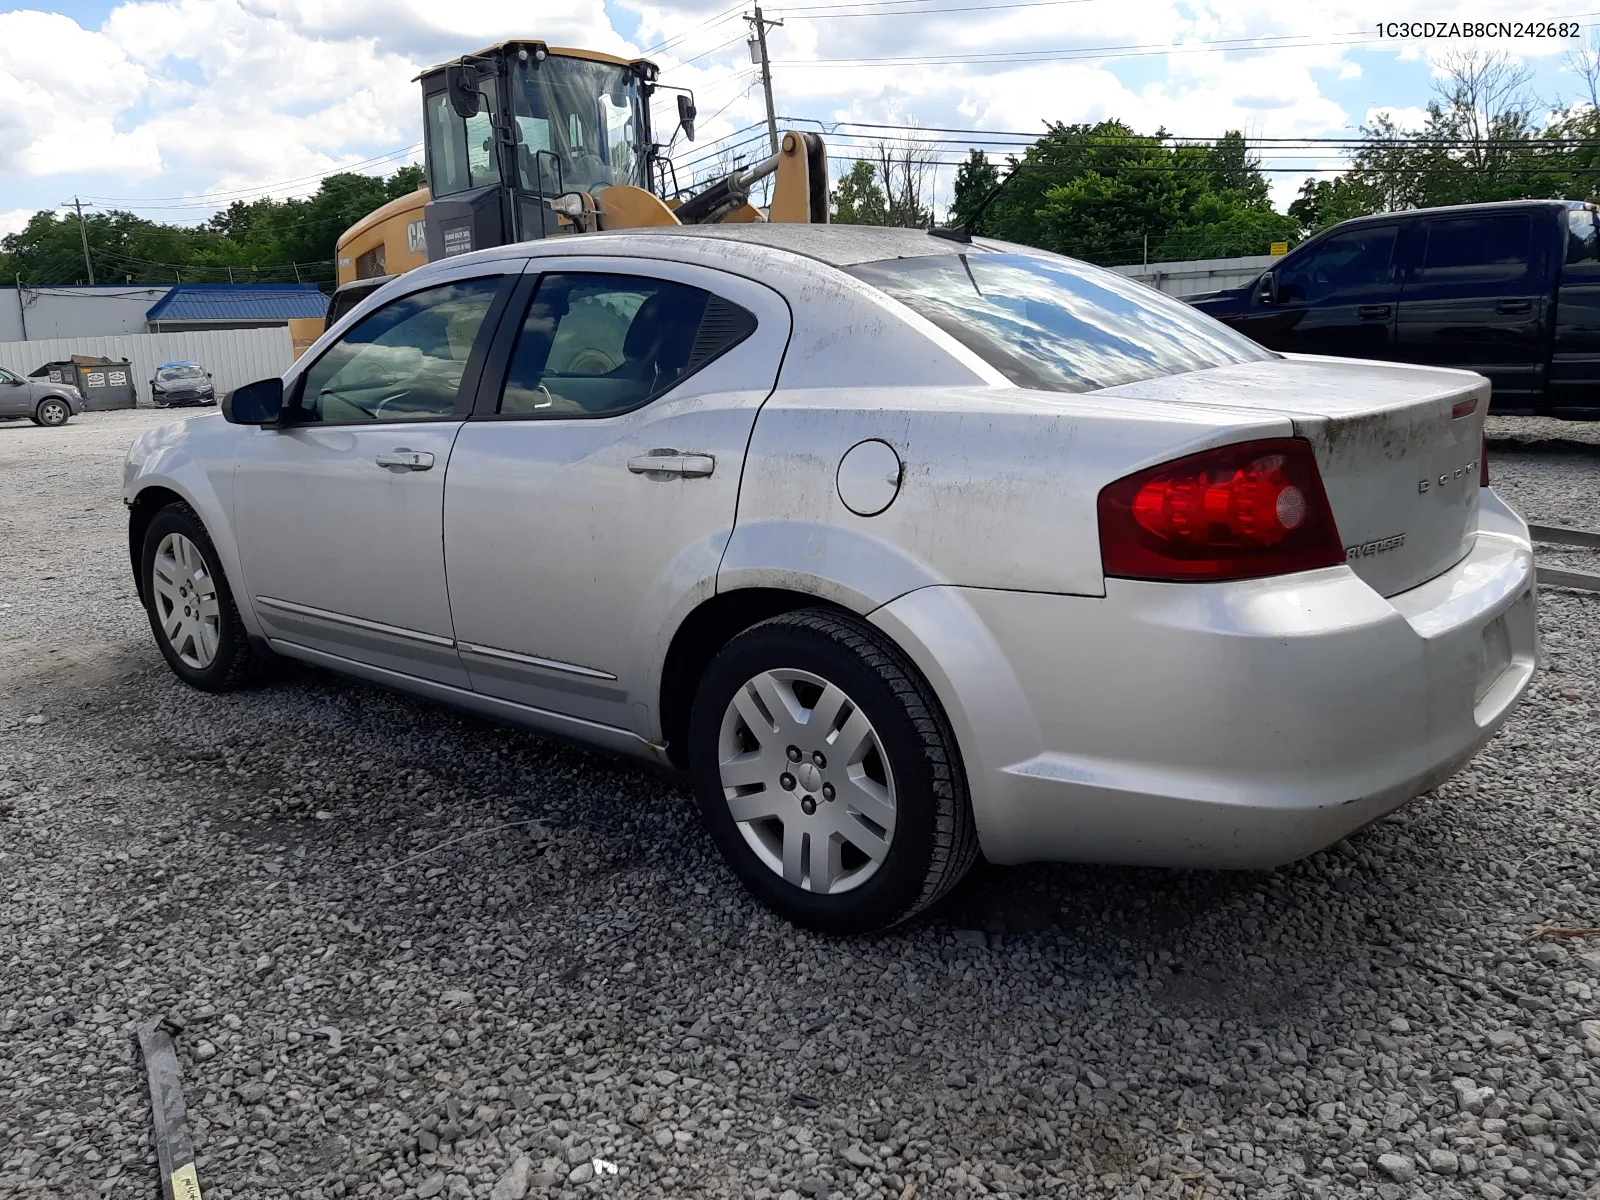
[900, 546]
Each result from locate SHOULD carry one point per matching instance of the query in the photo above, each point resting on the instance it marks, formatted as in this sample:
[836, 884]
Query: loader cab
[509, 129]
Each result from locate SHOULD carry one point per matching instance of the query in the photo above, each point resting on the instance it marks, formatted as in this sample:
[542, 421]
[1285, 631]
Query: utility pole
[758, 54]
[83, 232]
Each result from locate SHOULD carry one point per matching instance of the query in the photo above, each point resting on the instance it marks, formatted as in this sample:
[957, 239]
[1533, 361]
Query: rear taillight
[1236, 512]
[1483, 463]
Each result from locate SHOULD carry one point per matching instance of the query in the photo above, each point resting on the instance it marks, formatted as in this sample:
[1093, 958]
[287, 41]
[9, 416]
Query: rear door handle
[1514, 306]
[1373, 312]
[671, 462]
[411, 460]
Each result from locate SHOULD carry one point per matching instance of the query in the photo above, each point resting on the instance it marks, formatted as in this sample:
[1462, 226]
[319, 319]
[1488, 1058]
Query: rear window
[1057, 325]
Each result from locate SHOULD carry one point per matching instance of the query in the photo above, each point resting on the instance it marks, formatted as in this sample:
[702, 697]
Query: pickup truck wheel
[828, 775]
[191, 608]
[52, 412]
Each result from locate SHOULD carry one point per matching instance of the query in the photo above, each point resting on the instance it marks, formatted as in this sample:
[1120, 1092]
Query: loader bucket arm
[800, 192]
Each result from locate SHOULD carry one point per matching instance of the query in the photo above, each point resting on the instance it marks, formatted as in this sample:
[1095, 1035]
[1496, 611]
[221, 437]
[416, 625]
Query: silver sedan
[901, 546]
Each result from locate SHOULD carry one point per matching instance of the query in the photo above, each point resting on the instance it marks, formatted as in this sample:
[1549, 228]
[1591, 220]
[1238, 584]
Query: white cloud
[13, 221]
[60, 89]
[178, 97]
[1410, 118]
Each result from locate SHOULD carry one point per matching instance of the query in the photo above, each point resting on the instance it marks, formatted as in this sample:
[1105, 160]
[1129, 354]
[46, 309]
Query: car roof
[1459, 209]
[184, 363]
[838, 245]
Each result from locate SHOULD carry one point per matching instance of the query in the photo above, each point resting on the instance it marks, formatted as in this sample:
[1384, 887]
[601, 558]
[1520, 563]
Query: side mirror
[686, 115]
[256, 403]
[1267, 289]
[461, 82]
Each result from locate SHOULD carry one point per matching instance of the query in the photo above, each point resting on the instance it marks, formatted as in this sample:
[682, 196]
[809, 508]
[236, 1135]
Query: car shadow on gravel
[1267, 945]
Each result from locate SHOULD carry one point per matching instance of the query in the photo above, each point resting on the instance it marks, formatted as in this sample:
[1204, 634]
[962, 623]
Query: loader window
[461, 153]
[1058, 325]
[588, 114]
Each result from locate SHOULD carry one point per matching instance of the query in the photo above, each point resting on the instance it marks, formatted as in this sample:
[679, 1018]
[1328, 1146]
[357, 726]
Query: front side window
[595, 345]
[1056, 324]
[1346, 262]
[403, 362]
[1475, 249]
[7, 377]
[587, 114]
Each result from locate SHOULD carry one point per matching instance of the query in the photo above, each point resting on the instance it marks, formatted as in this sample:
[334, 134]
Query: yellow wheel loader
[525, 141]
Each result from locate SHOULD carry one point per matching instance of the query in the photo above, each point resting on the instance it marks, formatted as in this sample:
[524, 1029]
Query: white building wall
[1201, 275]
[69, 312]
[233, 356]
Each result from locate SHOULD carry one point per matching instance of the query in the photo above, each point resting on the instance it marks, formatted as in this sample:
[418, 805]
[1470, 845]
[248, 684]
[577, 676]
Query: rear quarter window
[1055, 324]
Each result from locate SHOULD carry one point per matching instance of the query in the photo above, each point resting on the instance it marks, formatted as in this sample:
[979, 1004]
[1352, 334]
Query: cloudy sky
[173, 107]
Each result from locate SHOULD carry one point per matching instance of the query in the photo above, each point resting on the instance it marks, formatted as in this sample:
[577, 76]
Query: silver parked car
[900, 546]
[40, 400]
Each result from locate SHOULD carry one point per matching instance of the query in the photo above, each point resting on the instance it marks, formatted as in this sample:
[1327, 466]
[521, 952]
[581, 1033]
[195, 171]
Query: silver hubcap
[807, 781]
[53, 412]
[186, 601]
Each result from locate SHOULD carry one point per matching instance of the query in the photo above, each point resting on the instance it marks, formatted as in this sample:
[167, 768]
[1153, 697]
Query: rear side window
[1057, 325]
[1583, 245]
[1349, 262]
[594, 345]
[1475, 249]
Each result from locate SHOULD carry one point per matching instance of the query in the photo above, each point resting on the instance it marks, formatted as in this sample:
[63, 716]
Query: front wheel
[52, 412]
[191, 608]
[828, 774]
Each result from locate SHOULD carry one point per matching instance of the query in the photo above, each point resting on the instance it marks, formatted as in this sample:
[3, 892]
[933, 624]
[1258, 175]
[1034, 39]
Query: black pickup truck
[1510, 290]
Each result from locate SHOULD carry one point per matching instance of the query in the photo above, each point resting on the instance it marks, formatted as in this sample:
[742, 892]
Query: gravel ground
[417, 955]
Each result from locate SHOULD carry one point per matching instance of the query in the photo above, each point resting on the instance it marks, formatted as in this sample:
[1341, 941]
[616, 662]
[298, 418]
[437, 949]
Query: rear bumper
[1222, 725]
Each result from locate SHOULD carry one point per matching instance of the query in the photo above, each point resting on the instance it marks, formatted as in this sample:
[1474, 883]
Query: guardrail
[1561, 536]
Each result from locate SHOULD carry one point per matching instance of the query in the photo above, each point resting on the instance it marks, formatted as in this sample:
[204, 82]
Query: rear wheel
[51, 412]
[191, 608]
[828, 775]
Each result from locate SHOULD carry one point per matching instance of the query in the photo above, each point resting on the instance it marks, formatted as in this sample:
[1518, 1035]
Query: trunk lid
[1400, 467]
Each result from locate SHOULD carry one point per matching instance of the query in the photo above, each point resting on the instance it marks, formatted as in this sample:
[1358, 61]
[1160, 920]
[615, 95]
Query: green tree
[857, 198]
[975, 180]
[261, 240]
[1111, 195]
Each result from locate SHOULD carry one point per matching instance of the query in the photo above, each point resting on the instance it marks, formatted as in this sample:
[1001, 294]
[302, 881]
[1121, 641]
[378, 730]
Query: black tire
[934, 841]
[236, 664]
[52, 412]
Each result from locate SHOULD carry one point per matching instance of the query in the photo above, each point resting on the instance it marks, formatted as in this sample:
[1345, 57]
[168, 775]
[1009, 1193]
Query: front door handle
[1373, 312]
[672, 462]
[1514, 306]
[411, 460]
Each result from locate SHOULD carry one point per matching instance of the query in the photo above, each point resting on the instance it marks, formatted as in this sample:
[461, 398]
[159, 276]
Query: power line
[708, 23]
[1073, 53]
[808, 12]
[204, 199]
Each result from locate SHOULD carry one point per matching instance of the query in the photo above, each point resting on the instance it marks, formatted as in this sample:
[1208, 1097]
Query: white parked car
[900, 546]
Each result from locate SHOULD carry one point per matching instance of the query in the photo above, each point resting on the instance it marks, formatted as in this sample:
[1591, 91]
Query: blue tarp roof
[239, 302]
